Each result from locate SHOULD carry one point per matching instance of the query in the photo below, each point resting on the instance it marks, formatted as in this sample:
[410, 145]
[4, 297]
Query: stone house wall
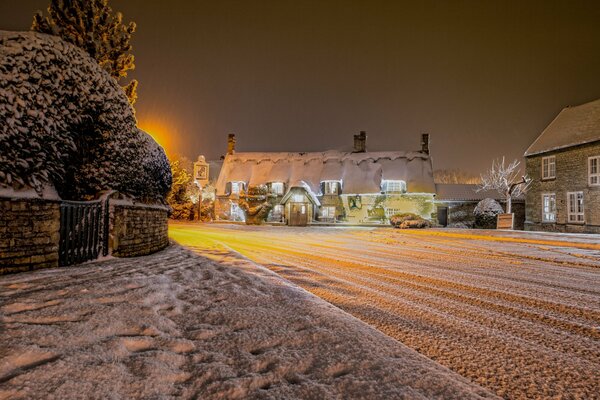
[29, 234]
[138, 230]
[571, 176]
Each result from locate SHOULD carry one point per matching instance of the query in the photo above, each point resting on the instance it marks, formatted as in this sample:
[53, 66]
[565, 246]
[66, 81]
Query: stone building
[564, 163]
[357, 187]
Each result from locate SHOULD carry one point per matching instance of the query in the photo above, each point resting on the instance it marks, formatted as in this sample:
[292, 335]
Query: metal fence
[82, 231]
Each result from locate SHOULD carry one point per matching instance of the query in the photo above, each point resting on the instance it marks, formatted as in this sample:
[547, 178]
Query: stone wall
[571, 176]
[29, 234]
[138, 230]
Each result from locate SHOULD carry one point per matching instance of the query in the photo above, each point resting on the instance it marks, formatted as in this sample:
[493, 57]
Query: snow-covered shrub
[486, 213]
[409, 221]
[255, 204]
[64, 121]
[460, 225]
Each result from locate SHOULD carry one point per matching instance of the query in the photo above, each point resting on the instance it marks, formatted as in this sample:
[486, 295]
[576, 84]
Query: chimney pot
[231, 143]
[425, 143]
[360, 142]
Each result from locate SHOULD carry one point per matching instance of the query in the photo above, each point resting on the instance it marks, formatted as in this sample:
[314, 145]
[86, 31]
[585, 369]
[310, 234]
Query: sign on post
[201, 172]
[505, 221]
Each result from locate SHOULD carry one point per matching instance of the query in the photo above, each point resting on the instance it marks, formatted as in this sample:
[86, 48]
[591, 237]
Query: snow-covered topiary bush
[64, 121]
[486, 213]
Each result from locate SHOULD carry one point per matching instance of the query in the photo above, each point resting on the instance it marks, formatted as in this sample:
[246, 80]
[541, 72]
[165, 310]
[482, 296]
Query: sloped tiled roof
[573, 126]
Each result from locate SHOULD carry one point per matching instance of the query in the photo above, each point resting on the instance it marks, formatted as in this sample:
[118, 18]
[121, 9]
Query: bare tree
[505, 179]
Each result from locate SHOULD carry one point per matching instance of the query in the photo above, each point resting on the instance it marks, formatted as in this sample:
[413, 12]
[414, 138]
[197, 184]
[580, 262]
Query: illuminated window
[277, 188]
[575, 207]
[327, 212]
[594, 171]
[393, 186]
[330, 187]
[237, 187]
[549, 167]
[298, 198]
[549, 207]
[276, 213]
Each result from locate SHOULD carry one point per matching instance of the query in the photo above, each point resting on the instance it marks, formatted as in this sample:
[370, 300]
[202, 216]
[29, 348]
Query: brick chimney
[230, 143]
[360, 142]
[425, 143]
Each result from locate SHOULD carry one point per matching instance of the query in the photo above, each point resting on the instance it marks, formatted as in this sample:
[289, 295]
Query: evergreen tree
[92, 26]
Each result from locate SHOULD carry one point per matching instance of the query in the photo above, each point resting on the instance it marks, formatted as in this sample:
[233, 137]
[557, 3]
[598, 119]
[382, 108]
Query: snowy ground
[180, 325]
[518, 313]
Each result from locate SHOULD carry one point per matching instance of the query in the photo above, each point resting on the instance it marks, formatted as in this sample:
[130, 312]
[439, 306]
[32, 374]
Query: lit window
[549, 207]
[327, 212]
[237, 187]
[276, 213]
[277, 188]
[575, 207]
[303, 211]
[549, 167]
[330, 187]
[594, 171]
[393, 186]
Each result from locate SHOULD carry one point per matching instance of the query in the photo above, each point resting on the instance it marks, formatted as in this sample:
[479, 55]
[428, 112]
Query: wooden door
[442, 213]
[298, 214]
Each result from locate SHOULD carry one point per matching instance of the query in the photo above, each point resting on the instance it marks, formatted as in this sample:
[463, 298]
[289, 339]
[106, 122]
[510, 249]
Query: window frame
[596, 174]
[551, 161]
[330, 212]
[331, 184]
[277, 184]
[237, 184]
[385, 186]
[578, 213]
[550, 212]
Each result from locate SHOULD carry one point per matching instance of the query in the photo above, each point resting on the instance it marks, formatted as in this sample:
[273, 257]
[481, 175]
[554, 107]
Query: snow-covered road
[518, 313]
[181, 325]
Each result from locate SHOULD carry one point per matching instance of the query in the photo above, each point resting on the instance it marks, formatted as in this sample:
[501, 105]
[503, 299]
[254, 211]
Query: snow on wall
[359, 172]
[65, 121]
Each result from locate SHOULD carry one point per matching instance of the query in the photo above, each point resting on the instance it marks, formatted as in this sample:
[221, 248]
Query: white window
[393, 186]
[549, 167]
[390, 212]
[277, 188]
[575, 207]
[276, 213]
[298, 198]
[549, 207]
[328, 212]
[330, 187]
[237, 187]
[594, 171]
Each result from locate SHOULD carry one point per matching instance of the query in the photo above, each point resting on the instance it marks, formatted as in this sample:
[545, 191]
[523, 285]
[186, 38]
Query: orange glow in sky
[162, 131]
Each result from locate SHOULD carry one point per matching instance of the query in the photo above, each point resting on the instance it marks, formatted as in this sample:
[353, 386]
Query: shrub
[64, 121]
[486, 213]
[409, 221]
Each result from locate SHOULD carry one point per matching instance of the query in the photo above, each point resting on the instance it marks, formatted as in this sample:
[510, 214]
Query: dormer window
[276, 188]
[549, 167]
[237, 187]
[331, 187]
[393, 186]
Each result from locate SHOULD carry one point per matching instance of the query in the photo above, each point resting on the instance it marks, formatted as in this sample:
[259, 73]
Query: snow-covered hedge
[486, 213]
[64, 121]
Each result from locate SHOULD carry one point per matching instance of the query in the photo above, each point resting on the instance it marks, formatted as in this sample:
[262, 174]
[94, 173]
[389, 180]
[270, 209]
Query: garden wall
[29, 234]
[137, 230]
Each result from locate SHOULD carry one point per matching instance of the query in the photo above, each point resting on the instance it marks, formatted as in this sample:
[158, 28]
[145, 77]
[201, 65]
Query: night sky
[482, 77]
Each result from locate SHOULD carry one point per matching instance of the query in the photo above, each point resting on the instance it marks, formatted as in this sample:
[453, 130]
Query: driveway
[518, 313]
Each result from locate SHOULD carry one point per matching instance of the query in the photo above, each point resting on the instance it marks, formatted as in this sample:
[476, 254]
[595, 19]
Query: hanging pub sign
[201, 171]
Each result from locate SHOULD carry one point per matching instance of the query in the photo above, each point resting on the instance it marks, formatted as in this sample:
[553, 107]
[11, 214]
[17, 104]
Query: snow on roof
[466, 192]
[358, 172]
[571, 127]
